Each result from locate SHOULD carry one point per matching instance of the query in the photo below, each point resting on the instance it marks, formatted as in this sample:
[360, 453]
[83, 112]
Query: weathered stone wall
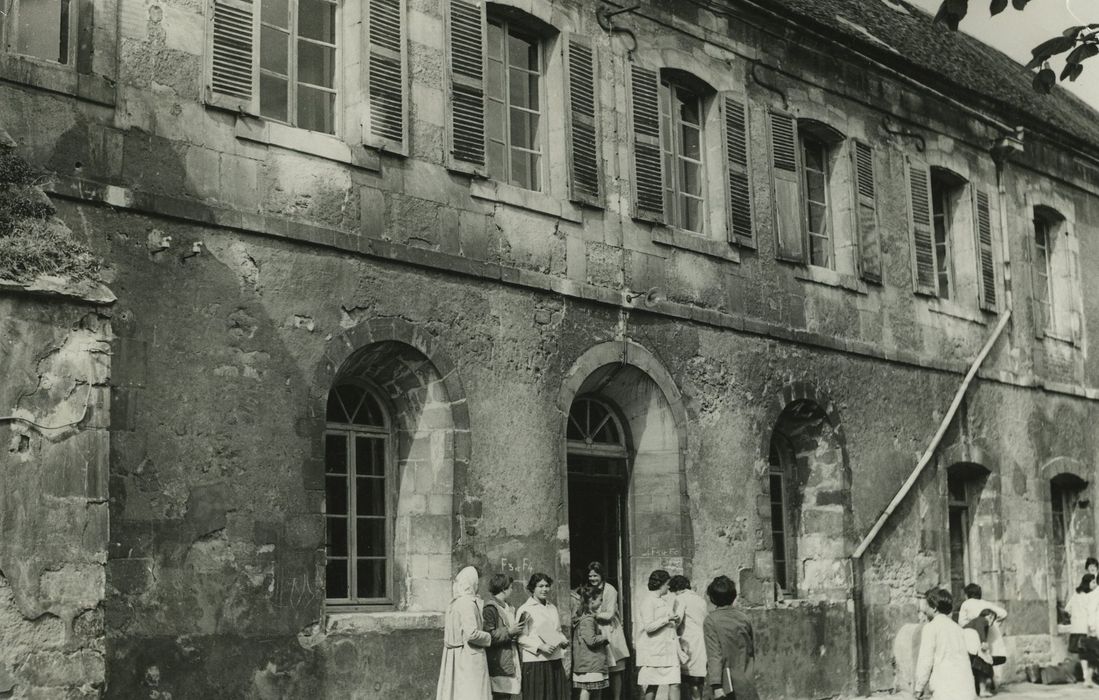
[55, 364]
[251, 267]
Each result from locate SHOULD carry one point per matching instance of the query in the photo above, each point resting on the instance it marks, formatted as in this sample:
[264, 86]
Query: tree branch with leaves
[1080, 42]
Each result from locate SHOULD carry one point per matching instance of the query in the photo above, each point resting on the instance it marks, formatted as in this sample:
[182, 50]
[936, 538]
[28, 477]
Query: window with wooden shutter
[739, 205]
[986, 261]
[866, 215]
[233, 75]
[386, 76]
[923, 240]
[647, 169]
[789, 240]
[466, 32]
[585, 168]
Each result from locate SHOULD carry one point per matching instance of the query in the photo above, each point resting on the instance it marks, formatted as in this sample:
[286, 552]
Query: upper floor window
[276, 58]
[682, 126]
[514, 103]
[1054, 280]
[814, 158]
[943, 194]
[41, 29]
[297, 48]
[360, 489]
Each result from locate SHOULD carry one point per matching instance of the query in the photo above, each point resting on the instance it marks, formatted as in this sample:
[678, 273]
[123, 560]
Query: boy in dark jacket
[589, 656]
[730, 644]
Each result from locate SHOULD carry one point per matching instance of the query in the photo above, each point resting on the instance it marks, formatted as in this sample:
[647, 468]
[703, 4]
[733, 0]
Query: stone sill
[694, 242]
[953, 310]
[539, 202]
[55, 77]
[53, 286]
[259, 130]
[361, 622]
[831, 278]
[1058, 338]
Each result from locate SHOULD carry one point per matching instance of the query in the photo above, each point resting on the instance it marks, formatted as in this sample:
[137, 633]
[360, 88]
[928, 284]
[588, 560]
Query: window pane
[497, 161]
[496, 81]
[370, 496]
[692, 214]
[496, 41]
[780, 572]
[692, 178]
[371, 581]
[272, 97]
[819, 251]
[814, 184]
[335, 579]
[532, 91]
[778, 541]
[816, 217]
[814, 156]
[275, 12]
[43, 29]
[690, 110]
[369, 456]
[692, 143]
[370, 537]
[336, 537]
[778, 516]
[520, 129]
[535, 172]
[317, 20]
[316, 64]
[335, 495]
[273, 50]
[518, 88]
[522, 53]
[496, 121]
[520, 168]
[335, 454]
[316, 109]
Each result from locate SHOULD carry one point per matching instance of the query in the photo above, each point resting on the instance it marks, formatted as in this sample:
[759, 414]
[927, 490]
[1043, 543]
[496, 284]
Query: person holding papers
[542, 644]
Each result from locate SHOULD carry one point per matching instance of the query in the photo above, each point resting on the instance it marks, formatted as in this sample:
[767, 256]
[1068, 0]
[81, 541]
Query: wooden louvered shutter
[585, 168]
[789, 240]
[466, 32]
[923, 231]
[986, 260]
[648, 171]
[866, 214]
[233, 75]
[739, 191]
[386, 70]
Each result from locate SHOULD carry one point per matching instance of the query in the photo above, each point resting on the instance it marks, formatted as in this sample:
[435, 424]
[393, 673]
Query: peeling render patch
[55, 357]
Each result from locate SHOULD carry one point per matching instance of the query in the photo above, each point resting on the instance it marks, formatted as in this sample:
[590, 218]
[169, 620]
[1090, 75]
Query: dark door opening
[598, 484]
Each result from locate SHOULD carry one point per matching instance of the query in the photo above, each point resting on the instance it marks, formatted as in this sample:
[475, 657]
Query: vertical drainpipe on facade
[1000, 152]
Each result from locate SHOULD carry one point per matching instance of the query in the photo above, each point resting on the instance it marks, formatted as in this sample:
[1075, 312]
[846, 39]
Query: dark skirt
[982, 670]
[545, 680]
[1074, 642]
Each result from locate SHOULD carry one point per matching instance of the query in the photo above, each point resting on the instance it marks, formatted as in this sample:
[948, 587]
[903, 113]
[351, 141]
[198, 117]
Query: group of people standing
[956, 658]
[492, 651]
[1083, 611]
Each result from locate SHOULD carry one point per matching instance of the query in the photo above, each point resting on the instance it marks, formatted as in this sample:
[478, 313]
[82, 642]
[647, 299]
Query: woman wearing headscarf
[464, 671]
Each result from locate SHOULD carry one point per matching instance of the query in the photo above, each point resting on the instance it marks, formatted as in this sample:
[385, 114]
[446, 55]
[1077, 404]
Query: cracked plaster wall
[55, 360]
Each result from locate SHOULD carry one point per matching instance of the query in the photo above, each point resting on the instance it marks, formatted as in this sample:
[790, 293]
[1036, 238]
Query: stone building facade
[700, 306]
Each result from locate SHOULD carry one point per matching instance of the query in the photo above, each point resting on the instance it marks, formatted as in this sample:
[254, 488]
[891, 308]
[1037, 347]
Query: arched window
[596, 441]
[1066, 491]
[783, 520]
[1054, 276]
[359, 496]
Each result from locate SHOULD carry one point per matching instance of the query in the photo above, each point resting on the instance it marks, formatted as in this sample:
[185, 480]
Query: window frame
[521, 30]
[671, 126]
[1043, 227]
[293, 83]
[781, 463]
[806, 137]
[942, 210]
[389, 437]
[9, 34]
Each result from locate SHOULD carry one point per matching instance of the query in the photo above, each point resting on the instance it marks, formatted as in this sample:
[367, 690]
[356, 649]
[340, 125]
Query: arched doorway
[598, 456]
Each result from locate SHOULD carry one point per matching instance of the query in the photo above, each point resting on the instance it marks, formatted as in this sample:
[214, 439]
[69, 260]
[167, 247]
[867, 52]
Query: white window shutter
[582, 123]
[986, 260]
[738, 205]
[648, 170]
[923, 232]
[233, 45]
[466, 43]
[385, 123]
[786, 183]
[866, 213]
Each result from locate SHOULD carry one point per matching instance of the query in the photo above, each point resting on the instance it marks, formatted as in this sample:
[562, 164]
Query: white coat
[943, 661]
[463, 674]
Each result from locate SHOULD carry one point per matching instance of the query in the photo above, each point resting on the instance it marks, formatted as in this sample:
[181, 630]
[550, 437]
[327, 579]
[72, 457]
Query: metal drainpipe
[862, 651]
